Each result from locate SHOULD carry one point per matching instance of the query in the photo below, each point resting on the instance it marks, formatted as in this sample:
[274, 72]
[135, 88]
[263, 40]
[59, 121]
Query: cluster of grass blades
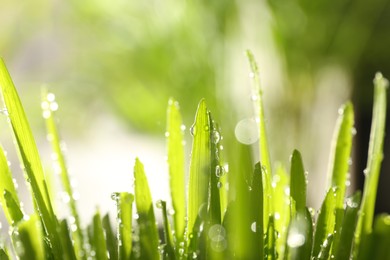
[253, 212]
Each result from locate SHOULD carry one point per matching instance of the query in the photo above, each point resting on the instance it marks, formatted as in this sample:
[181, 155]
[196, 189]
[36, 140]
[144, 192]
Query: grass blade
[4, 254]
[176, 166]
[146, 219]
[375, 157]
[199, 168]
[49, 106]
[168, 251]
[111, 239]
[98, 238]
[270, 241]
[298, 182]
[67, 245]
[124, 202]
[7, 188]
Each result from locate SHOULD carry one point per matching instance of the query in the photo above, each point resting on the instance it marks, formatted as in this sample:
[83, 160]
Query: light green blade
[199, 166]
[7, 185]
[111, 238]
[375, 157]
[298, 182]
[13, 208]
[168, 251]
[67, 244]
[49, 106]
[176, 166]
[146, 219]
[98, 239]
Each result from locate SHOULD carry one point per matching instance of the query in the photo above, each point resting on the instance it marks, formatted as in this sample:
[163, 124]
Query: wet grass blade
[199, 168]
[175, 139]
[124, 202]
[265, 159]
[168, 251]
[325, 248]
[380, 239]
[111, 239]
[298, 182]
[375, 157]
[146, 219]
[7, 188]
[98, 238]
[326, 220]
[67, 244]
[348, 227]
[270, 240]
[49, 106]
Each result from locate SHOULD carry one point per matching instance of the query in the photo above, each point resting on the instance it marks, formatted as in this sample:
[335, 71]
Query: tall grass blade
[374, 160]
[325, 248]
[298, 182]
[265, 159]
[270, 241]
[7, 188]
[175, 140]
[124, 202]
[67, 245]
[168, 250]
[326, 220]
[98, 238]
[380, 239]
[146, 219]
[49, 106]
[111, 239]
[199, 168]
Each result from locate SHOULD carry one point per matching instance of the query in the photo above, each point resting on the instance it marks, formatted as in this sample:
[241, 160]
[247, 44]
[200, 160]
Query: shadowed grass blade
[270, 240]
[380, 239]
[98, 239]
[168, 251]
[7, 186]
[111, 239]
[326, 220]
[4, 254]
[176, 166]
[199, 168]
[325, 248]
[343, 251]
[67, 245]
[124, 202]
[375, 157]
[298, 182]
[49, 106]
[146, 219]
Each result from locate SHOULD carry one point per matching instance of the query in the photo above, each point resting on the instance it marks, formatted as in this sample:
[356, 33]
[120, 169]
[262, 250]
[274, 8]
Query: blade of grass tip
[67, 244]
[30, 159]
[348, 227]
[298, 182]
[265, 160]
[374, 160]
[7, 186]
[111, 239]
[49, 106]
[175, 143]
[300, 236]
[326, 220]
[99, 241]
[168, 252]
[270, 240]
[28, 239]
[124, 202]
[13, 208]
[149, 240]
[199, 170]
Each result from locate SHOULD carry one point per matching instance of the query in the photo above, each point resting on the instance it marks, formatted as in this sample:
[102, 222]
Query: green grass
[263, 215]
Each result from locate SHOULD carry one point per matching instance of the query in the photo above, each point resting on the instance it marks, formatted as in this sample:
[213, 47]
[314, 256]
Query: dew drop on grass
[251, 75]
[365, 172]
[254, 227]
[216, 137]
[354, 131]
[219, 185]
[206, 128]
[193, 130]
[246, 131]
[277, 216]
[295, 239]
[166, 134]
[217, 233]
[45, 105]
[159, 204]
[218, 171]
[51, 97]
[46, 114]
[54, 106]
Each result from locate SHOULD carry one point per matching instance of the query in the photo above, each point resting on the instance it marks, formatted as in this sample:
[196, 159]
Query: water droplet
[251, 75]
[166, 134]
[45, 105]
[365, 172]
[159, 204]
[51, 97]
[206, 128]
[194, 255]
[295, 239]
[246, 131]
[193, 130]
[353, 131]
[182, 127]
[347, 183]
[287, 191]
[219, 185]
[218, 171]
[217, 233]
[226, 168]
[255, 97]
[65, 197]
[277, 215]
[115, 196]
[216, 137]
[76, 195]
[181, 251]
[46, 114]
[341, 111]
[54, 106]
[254, 227]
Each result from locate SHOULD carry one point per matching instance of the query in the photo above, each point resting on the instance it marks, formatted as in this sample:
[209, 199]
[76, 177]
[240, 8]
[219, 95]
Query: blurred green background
[114, 64]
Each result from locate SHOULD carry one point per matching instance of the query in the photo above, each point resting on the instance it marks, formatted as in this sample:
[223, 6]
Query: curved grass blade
[98, 238]
[111, 239]
[375, 157]
[49, 107]
[28, 239]
[264, 151]
[146, 219]
[348, 227]
[168, 251]
[176, 167]
[124, 202]
[298, 182]
[7, 188]
[199, 168]
[326, 220]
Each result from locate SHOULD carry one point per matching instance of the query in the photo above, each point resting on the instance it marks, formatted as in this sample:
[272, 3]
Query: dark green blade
[98, 238]
[298, 182]
[67, 245]
[146, 219]
[13, 208]
[175, 143]
[375, 157]
[111, 238]
[168, 251]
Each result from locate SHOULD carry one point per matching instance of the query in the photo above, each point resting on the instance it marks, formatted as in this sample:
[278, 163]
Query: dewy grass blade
[175, 139]
[67, 244]
[124, 202]
[146, 219]
[111, 238]
[13, 208]
[49, 106]
[326, 220]
[7, 186]
[375, 157]
[199, 168]
[265, 160]
[29, 157]
[168, 251]
[298, 182]
[99, 241]
[380, 239]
